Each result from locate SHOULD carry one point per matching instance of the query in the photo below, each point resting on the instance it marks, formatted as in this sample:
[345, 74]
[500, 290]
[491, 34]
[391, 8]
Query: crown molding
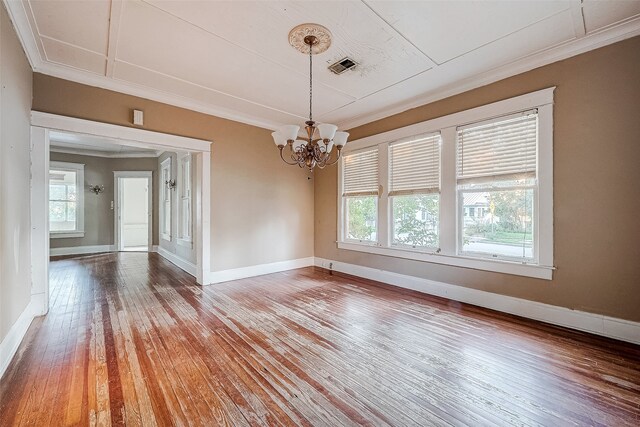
[600, 38]
[605, 36]
[29, 41]
[93, 153]
[19, 18]
[95, 80]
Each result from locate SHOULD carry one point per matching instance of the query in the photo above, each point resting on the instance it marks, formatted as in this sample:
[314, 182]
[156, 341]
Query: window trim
[165, 165]
[78, 168]
[181, 239]
[450, 214]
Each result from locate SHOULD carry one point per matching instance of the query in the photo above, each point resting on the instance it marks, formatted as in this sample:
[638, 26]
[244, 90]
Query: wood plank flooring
[132, 340]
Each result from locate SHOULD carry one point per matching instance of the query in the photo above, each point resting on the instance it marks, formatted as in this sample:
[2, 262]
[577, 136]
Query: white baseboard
[11, 342]
[258, 270]
[187, 266]
[598, 324]
[40, 304]
[81, 250]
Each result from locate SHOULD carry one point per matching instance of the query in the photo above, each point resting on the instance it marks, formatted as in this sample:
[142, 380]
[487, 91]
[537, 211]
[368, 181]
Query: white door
[134, 213]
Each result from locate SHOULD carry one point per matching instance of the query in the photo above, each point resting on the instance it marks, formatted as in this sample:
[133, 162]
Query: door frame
[42, 123]
[117, 202]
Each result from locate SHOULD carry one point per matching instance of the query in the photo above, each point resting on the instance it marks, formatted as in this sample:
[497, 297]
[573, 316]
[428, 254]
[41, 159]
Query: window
[165, 199]
[497, 169]
[66, 199]
[414, 191]
[472, 189]
[360, 195]
[184, 197]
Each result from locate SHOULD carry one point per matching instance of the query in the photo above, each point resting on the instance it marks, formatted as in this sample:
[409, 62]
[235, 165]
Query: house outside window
[497, 169]
[66, 199]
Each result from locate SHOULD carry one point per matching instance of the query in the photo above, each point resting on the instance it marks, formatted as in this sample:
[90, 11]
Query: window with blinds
[414, 190]
[500, 149]
[496, 171]
[360, 175]
[414, 165]
[360, 195]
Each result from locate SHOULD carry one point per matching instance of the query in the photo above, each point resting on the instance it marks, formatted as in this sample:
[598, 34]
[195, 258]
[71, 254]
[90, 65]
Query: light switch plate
[138, 117]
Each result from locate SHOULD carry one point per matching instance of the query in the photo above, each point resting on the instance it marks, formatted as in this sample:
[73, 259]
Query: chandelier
[316, 148]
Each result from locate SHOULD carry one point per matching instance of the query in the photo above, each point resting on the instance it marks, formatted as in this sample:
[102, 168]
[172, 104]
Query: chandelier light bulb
[327, 131]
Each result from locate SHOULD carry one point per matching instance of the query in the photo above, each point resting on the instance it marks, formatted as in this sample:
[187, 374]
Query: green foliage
[416, 220]
[362, 213]
[513, 208]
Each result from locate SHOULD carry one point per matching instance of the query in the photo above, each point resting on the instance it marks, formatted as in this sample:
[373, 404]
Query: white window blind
[361, 173]
[414, 165]
[498, 149]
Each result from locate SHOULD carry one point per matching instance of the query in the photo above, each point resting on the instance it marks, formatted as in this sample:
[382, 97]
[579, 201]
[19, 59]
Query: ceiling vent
[343, 65]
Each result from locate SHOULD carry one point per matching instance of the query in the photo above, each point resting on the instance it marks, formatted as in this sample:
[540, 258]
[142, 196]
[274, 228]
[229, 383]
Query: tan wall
[15, 215]
[98, 215]
[261, 209]
[596, 185]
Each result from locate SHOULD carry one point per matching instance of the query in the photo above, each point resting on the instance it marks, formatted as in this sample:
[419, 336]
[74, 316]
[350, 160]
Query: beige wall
[596, 185]
[98, 215]
[15, 221]
[261, 209]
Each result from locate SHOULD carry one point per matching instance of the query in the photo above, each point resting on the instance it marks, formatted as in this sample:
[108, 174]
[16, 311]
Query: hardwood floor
[131, 339]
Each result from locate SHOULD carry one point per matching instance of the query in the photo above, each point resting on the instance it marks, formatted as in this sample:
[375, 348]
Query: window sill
[66, 234]
[498, 266]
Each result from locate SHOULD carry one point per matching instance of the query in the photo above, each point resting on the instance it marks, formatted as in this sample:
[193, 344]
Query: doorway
[41, 126]
[133, 208]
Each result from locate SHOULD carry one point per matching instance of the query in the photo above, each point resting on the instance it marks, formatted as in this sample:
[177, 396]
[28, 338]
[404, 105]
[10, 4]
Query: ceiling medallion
[310, 151]
[322, 36]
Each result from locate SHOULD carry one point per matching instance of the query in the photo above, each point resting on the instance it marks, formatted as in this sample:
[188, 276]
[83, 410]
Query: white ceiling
[232, 58]
[89, 145]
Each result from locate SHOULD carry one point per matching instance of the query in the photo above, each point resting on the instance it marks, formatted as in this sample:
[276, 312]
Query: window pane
[71, 193]
[415, 220]
[57, 211]
[57, 192]
[502, 224]
[362, 214]
[71, 211]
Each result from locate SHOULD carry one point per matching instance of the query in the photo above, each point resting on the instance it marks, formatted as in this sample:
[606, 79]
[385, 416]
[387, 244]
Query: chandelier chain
[310, 81]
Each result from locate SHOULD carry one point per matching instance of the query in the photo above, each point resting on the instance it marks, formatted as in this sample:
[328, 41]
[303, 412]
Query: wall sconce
[97, 189]
[171, 184]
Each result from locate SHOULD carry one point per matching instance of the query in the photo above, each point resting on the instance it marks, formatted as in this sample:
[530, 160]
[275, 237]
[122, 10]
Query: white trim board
[9, 346]
[104, 154]
[259, 270]
[176, 260]
[597, 324]
[120, 134]
[81, 250]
